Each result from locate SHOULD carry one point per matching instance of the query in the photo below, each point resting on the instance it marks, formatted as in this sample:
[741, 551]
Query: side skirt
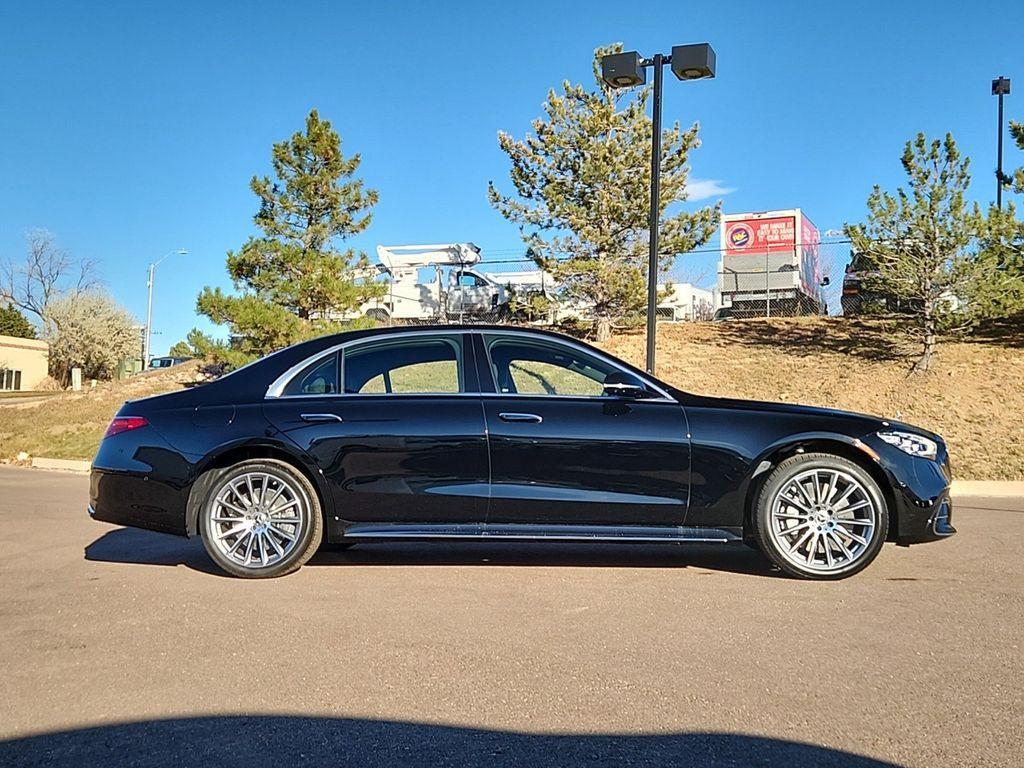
[524, 532]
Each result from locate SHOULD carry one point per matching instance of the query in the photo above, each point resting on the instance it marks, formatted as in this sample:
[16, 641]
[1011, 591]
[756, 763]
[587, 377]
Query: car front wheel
[820, 516]
[260, 519]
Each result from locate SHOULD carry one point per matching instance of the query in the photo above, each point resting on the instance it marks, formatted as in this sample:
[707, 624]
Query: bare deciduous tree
[48, 271]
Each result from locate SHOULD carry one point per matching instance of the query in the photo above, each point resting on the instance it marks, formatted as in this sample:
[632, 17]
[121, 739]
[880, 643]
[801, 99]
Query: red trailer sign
[760, 235]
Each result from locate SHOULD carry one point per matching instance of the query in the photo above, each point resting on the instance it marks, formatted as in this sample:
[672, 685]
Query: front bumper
[920, 520]
[921, 492]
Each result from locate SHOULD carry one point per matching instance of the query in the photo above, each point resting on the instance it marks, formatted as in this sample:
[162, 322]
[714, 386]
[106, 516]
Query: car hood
[790, 408]
[865, 421]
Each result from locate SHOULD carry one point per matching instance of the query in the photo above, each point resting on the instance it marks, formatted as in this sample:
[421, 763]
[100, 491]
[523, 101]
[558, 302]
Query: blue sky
[132, 128]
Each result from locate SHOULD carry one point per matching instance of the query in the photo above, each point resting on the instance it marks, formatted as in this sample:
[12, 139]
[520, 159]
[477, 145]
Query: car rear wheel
[820, 516]
[260, 519]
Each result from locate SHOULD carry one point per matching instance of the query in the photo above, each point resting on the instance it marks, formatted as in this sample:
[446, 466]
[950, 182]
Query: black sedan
[493, 433]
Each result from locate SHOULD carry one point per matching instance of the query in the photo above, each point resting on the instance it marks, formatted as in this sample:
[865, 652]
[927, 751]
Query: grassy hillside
[974, 397]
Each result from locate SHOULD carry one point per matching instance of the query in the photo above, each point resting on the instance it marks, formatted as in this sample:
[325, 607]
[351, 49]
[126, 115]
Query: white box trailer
[770, 265]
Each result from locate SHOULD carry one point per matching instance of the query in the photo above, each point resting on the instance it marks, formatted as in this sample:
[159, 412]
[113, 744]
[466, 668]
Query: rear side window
[318, 378]
[419, 365]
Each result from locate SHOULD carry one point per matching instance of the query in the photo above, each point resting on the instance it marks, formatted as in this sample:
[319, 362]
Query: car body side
[155, 477]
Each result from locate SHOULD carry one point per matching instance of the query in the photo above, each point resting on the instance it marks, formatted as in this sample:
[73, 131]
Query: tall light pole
[1000, 88]
[626, 70]
[149, 304]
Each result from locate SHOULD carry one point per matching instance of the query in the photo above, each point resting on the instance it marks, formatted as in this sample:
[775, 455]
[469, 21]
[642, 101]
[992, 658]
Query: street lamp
[626, 70]
[146, 347]
[1000, 88]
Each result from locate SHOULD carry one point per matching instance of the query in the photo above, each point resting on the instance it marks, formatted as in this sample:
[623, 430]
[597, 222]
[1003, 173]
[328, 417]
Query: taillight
[124, 424]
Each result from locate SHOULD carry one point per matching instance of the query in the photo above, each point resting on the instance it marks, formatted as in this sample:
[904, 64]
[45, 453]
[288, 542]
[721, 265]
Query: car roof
[323, 342]
[252, 380]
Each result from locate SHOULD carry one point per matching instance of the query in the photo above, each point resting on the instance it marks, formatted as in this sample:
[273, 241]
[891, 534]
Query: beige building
[24, 363]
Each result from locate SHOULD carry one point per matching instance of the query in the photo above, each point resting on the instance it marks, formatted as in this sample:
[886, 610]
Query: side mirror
[618, 384]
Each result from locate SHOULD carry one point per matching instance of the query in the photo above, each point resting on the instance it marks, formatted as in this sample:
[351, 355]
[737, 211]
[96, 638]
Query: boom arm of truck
[412, 257]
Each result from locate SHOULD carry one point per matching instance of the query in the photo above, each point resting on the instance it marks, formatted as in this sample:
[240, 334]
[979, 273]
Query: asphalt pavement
[124, 647]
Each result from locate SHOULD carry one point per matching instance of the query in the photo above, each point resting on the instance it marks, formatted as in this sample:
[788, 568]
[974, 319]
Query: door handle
[319, 418]
[529, 418]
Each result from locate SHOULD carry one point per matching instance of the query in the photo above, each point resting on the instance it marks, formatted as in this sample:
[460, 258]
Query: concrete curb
[68, 465]
[1000, 489]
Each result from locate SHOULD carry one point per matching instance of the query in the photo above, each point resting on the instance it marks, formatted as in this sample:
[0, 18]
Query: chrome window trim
[276, 388]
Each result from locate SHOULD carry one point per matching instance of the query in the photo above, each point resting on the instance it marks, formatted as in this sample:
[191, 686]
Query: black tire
[307, 510]
[770, 542]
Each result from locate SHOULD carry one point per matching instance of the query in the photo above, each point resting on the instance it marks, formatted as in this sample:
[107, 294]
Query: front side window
[420, 365]
[529, 367]
[469, 280]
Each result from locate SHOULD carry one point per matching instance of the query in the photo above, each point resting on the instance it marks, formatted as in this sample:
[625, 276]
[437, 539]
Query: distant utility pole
[146, 339]
[1000, 88]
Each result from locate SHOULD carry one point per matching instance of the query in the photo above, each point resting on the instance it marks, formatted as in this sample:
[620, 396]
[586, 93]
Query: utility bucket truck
[435, 283]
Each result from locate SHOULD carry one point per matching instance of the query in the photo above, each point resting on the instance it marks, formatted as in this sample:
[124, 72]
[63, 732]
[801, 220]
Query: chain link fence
[776, 282]
[704, 285]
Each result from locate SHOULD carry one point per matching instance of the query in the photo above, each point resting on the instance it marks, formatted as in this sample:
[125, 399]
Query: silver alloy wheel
[823, 519]
[257, 518]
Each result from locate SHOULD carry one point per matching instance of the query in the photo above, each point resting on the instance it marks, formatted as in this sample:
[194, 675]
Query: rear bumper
[133, 499]
[139, 480]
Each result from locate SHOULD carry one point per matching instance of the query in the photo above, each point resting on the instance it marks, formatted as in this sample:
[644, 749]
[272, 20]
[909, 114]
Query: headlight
[915, 445]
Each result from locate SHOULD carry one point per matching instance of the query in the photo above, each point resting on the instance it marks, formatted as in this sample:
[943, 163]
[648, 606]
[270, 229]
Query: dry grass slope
[974, 397]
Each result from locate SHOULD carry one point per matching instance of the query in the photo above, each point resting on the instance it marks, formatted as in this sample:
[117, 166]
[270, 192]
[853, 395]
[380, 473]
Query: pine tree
[180, 349]
[294, 280]
[582, 195]
[13, 323]
[921, 240]
[1017, 133]
[997, 293]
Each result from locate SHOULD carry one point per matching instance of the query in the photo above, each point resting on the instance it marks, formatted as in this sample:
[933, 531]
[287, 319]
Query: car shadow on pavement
[732, 558]
[131, 545]
[274, 741]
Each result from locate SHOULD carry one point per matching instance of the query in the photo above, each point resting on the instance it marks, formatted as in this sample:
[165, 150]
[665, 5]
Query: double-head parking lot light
[627, 70]
[1000, 88]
